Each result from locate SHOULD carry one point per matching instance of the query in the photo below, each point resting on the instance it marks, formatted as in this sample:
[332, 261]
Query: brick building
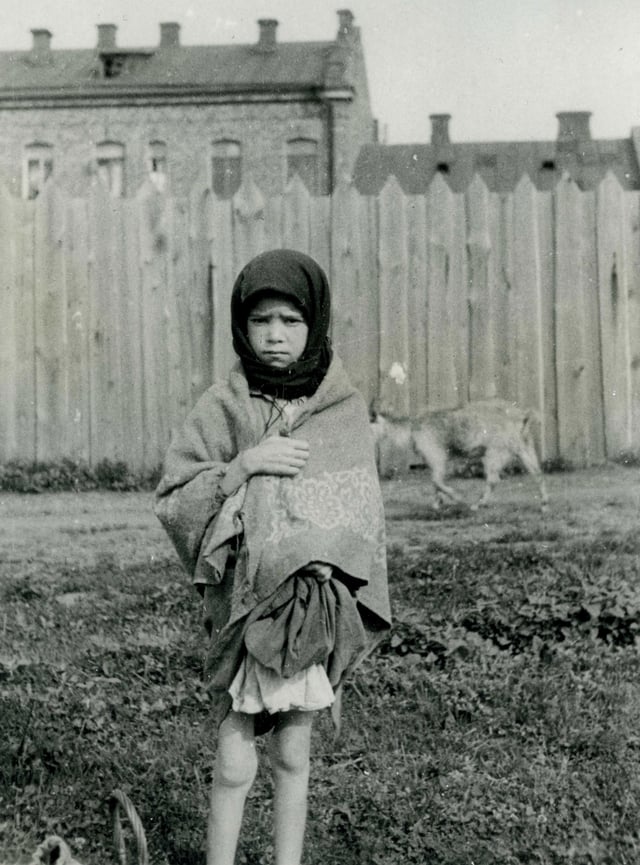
[214, 113]
[501, 164]
[181, 114]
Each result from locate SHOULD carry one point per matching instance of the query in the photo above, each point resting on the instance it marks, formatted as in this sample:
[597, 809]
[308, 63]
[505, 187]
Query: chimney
[267, 37]
[169, 34]
[41, 46]
[440, 129]
[106, 37]
[573, 128]
[345, 23]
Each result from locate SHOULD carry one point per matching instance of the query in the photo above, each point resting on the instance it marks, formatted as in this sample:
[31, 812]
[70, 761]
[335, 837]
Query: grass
[498, 723]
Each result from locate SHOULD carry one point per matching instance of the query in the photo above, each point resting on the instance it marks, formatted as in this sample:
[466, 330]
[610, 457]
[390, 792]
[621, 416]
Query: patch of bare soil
[40, 532]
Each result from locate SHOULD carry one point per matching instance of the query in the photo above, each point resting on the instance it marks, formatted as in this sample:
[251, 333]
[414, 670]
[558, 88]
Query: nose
[275, 331]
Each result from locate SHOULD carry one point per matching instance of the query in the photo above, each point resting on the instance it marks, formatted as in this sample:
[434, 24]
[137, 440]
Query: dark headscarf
[300, 279]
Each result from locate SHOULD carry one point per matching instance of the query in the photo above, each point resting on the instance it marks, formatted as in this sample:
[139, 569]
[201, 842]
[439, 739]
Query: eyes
[290, 320]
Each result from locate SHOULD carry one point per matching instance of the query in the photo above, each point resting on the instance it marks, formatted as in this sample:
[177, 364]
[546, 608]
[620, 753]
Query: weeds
[497, 723]
[66, 474]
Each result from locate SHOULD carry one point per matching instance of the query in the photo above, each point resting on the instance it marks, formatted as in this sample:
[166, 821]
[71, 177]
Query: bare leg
[289, 749]
[234, 772]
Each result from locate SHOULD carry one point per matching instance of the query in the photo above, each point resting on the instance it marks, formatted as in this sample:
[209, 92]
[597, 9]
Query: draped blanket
[244, 548]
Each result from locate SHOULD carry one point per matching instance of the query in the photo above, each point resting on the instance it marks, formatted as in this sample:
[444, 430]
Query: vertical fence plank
[595, 404]
[77, 263]
[573, 437]
[482, 377]
[632, 266]
[458, 281]
[249, 239]
[200, 295]
[155, 361]
[132, 340]
[394, 358]
[546, 213]
[24, 269]
[248, 222]
[168, 249]
[273, 219]
[320, 229]
[369, 244]
[614, 316]
[8, 329]
[106, 404]
[179, 272]
[296, 217]
[353, 302]
[446, 356]
[504, 325]
[123, 319]
[223, 274]
[575, 355]
[50, 326]
[417, 302]
[528, 360]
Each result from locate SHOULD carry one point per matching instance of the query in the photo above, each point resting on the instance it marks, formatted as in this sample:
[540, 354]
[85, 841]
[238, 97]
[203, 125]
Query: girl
[271, 497]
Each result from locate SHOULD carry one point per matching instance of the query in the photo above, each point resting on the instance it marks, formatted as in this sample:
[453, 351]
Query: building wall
[261, 128]
[354, 124]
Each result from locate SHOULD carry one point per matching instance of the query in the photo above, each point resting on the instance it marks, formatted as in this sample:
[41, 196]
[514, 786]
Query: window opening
[226, 168]
[38, 168]
[302, 159]
[110, 162]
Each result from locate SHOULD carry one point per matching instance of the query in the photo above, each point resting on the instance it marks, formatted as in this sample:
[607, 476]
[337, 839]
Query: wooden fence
[114, 314]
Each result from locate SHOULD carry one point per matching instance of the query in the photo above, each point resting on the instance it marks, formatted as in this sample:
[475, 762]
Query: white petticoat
[256, 688]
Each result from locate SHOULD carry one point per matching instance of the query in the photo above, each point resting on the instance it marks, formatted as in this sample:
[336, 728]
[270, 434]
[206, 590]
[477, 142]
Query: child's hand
[322, 570]
[276, 455]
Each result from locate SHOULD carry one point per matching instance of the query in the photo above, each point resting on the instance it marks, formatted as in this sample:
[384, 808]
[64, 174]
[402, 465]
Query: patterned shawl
[330, 512]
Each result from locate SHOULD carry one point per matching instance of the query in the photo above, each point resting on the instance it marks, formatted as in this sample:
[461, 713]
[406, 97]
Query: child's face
[277, 331]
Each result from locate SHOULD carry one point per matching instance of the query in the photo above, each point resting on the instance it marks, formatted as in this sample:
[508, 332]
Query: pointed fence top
[297, 188]
[392, 188]
[248, 202]
[477, 188]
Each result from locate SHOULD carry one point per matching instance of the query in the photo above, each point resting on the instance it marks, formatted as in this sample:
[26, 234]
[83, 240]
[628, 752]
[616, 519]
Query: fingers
[281, 456]
[284, 443]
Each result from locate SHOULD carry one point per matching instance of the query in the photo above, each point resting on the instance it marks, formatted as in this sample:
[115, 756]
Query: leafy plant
[497, 723]
[66, 474]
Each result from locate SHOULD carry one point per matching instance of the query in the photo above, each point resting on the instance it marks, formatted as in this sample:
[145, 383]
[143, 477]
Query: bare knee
[289, 748]
[236, 759]
[235, 769]
[290, 761]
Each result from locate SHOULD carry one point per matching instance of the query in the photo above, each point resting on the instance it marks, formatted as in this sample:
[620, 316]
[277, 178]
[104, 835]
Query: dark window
[110, 162]
[113, 65]
[548, 165]
[302, 159]
[443, 167]
[38, 168]
[226, 168]
[157, 163]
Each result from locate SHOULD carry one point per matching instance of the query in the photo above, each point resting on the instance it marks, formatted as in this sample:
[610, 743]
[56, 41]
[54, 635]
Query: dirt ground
[87, 529]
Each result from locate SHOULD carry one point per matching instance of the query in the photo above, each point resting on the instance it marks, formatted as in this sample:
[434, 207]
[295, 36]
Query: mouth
[276, 358]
